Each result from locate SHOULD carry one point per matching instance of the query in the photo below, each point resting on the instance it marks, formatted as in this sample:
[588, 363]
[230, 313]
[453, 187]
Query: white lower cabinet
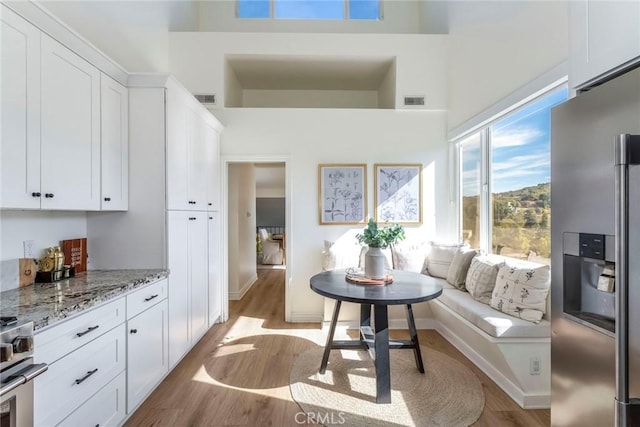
[78, 376]
[106, 408]
[147, 358]
[104, 362]
[188, 284]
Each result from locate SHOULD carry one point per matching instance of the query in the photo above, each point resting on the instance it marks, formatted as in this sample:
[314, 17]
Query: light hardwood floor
[238, 374]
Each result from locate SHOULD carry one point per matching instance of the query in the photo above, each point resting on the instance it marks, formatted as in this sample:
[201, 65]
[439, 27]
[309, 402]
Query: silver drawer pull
[89, 373]
[89, 329]
[150, 298]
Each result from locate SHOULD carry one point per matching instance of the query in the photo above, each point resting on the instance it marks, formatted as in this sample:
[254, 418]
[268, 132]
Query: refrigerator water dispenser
[589, 280]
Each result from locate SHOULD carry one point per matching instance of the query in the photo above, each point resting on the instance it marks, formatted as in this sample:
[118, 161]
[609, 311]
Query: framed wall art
[398, 193]
[342, 193]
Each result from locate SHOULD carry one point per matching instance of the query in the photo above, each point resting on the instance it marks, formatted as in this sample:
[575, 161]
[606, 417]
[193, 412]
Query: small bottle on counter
[59, 258]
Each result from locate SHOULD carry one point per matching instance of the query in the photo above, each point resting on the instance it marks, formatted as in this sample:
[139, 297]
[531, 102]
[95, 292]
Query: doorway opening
[256, 224]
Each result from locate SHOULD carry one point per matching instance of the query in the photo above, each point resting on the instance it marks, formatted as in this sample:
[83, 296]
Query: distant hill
[534, 196]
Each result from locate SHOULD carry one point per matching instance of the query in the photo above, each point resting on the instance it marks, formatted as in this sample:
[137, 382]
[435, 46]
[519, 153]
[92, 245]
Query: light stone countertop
[47, 303]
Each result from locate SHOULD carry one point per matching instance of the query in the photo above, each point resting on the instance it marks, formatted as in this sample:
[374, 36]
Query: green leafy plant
[380, 237]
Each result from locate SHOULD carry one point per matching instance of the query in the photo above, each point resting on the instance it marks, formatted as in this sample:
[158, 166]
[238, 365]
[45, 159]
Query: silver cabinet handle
[89, 373]
[89, 329]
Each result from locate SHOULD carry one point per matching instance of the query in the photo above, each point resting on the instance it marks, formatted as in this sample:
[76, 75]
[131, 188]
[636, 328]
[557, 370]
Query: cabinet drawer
[71, 380]
[140, 300]
[105, 408]
[63, 338]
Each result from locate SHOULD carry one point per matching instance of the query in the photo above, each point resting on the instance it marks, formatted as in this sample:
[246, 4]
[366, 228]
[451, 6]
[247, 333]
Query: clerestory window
[310, 9]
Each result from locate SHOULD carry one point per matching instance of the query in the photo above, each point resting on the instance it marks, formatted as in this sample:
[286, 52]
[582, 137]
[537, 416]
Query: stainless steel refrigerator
[595, 265]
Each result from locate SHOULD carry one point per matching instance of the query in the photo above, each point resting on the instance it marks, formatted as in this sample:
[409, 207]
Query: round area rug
[447, 394]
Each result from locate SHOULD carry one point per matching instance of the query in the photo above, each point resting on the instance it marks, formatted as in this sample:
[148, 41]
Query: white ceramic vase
[374, 264]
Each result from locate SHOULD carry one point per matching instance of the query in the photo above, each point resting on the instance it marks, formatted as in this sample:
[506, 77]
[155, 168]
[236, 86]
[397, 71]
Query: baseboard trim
[235, 296]
[306, 318]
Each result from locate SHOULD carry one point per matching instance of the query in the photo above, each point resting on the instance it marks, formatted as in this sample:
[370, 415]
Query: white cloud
[515, 137]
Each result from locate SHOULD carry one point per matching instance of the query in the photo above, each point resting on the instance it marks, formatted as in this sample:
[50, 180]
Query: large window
[310, 9]
[505, 182]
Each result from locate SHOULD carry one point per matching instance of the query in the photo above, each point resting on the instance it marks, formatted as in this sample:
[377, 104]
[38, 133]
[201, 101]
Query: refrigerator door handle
[627, 153]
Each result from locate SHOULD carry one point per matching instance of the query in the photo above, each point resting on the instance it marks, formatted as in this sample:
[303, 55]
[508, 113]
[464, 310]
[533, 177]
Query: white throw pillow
[340, 255]
[460, 266]
[440, 257]
[522, 291]
[410, 256]
[481, 277]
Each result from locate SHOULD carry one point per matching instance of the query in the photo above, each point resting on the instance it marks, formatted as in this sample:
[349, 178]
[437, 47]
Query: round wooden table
[407, 288]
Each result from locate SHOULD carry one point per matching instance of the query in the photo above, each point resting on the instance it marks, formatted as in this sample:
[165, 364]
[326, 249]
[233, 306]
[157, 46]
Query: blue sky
[520, 148]
[309, 9]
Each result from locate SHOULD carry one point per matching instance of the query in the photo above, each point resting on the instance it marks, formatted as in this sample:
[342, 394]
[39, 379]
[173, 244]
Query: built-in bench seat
[489, 320]
[514, 353]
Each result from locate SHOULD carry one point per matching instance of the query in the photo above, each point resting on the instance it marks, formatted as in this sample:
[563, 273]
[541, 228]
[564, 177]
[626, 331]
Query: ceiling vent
[412, 101]
[206, 99]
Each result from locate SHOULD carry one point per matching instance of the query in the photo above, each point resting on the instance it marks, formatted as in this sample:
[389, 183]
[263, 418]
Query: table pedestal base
[376, 341]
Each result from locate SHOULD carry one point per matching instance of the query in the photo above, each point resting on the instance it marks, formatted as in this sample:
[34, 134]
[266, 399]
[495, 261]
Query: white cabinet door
[199, 275]
[212, 139]
[198, 163]
[179, 295]
[215, 288]
[604, 36]
[147, 360]
[114, 145]
[20, 99]
[178, 140]
[106, 408]
[70, 129]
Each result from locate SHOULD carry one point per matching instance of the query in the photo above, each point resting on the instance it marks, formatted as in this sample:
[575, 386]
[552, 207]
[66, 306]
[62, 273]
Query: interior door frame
[248, 158]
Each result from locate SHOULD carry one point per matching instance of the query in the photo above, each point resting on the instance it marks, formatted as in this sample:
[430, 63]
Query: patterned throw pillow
[410, 256]
[460, 266]
[440, 257]
[481, 277]
[522, 291]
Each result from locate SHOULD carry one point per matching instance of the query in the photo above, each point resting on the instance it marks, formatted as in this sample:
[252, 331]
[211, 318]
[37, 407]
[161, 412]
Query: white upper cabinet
[20, 107]
[187, 154]
[198, 162]
[114, 145]
[604, 38]
[212, 141]
[178, 140]
[70, 130]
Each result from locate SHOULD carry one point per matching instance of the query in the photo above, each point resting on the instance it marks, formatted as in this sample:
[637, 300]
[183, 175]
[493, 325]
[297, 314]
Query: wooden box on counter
[75, 254]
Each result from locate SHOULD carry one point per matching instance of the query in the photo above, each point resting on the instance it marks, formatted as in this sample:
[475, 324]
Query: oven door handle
[23, 377]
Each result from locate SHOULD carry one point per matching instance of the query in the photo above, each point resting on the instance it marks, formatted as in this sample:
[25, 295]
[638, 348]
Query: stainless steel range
[16, 372]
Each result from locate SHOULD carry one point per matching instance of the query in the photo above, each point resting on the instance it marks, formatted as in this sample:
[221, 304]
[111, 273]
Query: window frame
[485, 194]
[345, 14]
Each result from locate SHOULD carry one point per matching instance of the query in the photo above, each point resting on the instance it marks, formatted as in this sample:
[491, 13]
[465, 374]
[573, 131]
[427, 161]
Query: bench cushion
[493, 322]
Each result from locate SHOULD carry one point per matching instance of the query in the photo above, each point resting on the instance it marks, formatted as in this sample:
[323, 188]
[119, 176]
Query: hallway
[238, 374]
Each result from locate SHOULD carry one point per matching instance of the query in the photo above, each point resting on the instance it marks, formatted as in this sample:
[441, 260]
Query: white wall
[310, 98]
[133, 33]
[242, 228]
[46, 228]
[313, 136]
[497, 47]
[197, 59]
